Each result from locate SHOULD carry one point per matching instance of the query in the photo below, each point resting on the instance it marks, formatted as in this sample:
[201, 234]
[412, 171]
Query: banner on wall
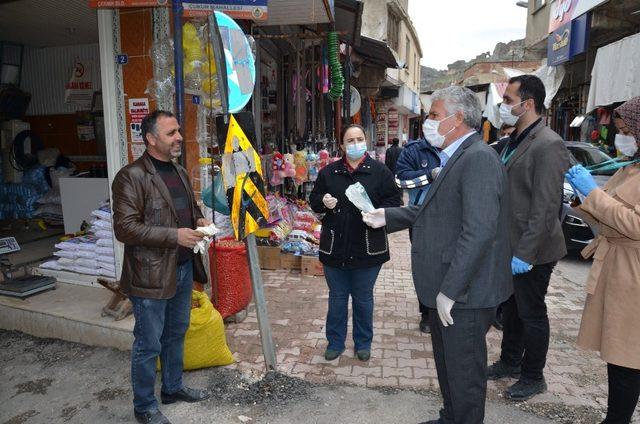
[138, 109]
[79, 90]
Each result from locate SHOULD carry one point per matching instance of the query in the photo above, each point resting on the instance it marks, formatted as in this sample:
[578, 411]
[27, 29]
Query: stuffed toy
[323, 158]
[300, 162]
[289, 168]
[277, 167]
[312, 166]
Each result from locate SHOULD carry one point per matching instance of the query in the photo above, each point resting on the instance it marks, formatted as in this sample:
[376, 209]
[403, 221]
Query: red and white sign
[114, 4]
[79, 89]
[138, 109]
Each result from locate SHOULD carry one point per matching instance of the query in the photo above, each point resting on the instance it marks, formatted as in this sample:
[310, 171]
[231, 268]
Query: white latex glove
[329, 201]
[209, 231]
[375, 218]
[444, 306]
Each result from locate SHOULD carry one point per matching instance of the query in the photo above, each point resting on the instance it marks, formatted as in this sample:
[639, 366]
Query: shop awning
[616, 73]
[299, 12]
[376, 52]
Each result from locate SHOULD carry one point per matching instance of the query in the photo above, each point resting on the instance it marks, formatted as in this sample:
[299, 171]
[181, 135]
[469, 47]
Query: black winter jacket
[347, 242]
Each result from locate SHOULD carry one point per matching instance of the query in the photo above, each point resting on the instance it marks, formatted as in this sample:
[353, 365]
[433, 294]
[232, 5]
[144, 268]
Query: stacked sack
[91, 254]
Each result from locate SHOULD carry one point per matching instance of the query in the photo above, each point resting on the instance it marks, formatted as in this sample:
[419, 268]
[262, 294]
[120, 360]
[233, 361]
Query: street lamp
[524, 4]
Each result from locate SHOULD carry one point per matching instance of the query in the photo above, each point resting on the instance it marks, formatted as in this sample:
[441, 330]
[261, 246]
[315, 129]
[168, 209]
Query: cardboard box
[269, 257]
[289, 261]
[311, 265]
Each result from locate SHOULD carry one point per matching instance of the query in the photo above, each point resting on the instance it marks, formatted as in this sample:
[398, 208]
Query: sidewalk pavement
[402, 356]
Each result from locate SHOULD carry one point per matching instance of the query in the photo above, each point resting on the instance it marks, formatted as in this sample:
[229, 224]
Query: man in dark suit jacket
[460, 253]
[536, 160]
[392, 155]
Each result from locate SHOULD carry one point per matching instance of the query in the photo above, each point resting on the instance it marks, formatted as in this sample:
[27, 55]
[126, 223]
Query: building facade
[397, 102]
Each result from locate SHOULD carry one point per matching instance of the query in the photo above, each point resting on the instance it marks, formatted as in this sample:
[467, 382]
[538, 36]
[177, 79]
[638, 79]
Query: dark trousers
[460, 353]
[525, 338]
[424, 311]
[624, 390]
[357, 283]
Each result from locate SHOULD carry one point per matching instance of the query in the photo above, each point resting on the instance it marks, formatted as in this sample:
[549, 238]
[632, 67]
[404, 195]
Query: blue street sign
[122, 59]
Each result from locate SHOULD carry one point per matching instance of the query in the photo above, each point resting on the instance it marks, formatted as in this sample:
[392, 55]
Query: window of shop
[393, 28]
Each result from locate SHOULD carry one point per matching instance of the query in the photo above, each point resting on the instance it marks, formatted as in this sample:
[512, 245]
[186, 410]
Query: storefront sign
[114, 4]
[381, 129]
[568, 40]
[79, 89]
[564, 11]
[138, 109]
[254, 10]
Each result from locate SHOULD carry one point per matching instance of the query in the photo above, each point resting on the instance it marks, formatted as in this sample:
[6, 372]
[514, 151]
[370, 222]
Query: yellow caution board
[242, 174]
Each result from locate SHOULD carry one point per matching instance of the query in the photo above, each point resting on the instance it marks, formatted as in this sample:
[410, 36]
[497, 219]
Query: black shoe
[363, 355]
[330, 354]
[424, 325]
[185, 395]
[501, 370]
[438, 421]
[525, 389]
[151, 417]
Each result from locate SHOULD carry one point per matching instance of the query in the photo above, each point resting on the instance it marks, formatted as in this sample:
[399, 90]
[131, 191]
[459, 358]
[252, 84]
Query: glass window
[393, 29]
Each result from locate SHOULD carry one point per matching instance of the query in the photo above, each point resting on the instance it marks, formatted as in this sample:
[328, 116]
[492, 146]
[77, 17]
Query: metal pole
[268, 348]
[177, 59]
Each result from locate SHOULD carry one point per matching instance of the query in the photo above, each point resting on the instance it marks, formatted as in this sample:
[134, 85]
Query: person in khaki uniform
[610, 318]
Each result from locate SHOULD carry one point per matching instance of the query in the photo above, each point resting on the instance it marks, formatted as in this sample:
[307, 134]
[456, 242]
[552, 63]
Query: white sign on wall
[79, 89]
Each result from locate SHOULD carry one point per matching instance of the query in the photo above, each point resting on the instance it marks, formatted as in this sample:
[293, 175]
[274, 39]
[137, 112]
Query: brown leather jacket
[145, 220]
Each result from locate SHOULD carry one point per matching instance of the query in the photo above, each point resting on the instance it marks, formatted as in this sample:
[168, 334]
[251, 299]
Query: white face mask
[430, 130]
[626, 144]
[506, 116]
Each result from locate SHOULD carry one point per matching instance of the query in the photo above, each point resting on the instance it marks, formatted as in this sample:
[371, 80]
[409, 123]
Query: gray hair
[461, 99]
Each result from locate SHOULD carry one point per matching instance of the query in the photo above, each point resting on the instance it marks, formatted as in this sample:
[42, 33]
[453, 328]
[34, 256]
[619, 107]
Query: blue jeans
[359, 284]
[159, 331]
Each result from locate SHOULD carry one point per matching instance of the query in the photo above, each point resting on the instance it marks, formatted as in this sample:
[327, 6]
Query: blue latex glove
[518, 266]
[581, 179]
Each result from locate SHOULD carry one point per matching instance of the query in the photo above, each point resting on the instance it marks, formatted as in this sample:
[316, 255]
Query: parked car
[577, 232]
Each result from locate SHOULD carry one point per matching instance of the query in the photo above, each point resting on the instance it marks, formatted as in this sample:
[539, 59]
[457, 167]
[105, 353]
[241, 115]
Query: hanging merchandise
[289, 167]
[312, 165]
[162, 87]
[214, 197]
[300, 164]
[337, 79]
[277, 167]
[324, 158]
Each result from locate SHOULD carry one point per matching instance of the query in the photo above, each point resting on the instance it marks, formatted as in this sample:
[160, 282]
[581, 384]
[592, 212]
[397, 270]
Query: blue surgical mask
[355, 151]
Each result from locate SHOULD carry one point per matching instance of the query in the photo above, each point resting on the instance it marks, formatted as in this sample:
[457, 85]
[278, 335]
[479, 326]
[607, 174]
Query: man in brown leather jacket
[154, 213]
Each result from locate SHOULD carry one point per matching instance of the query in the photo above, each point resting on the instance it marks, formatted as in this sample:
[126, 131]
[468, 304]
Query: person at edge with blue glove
[610, 317]
[536, 160]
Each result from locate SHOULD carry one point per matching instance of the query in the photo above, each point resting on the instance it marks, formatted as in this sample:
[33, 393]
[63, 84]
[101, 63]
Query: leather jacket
[145, 221]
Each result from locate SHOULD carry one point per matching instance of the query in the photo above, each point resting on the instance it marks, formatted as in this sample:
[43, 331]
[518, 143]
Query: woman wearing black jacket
[352, 253]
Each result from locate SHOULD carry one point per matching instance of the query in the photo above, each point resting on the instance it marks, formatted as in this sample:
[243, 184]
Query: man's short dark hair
[531, 87]
[395, 141]
[149, 122]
